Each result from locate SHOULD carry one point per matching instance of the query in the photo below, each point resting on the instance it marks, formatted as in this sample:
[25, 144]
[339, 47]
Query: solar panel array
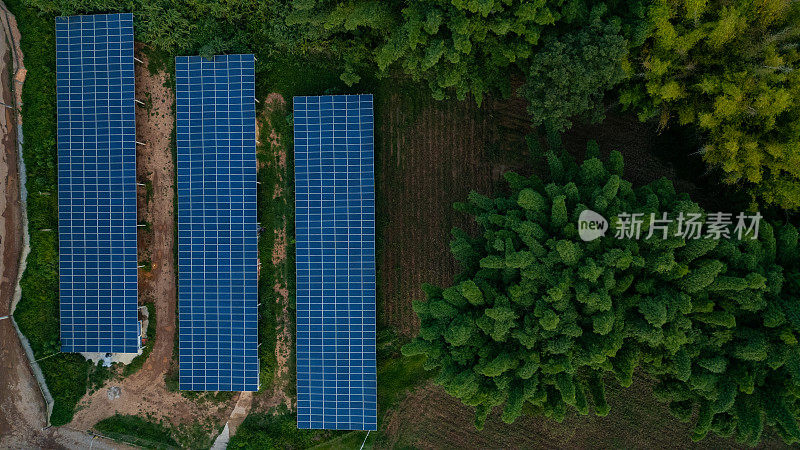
[335, 235]
[97, 183]
[217, 224]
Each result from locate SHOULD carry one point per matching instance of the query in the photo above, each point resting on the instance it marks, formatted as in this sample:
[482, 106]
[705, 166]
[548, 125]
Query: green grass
[148, 186]
[397, 374]
[276, 430]
[138, 362]
[291, 75]
[273, 214]
[351, 440]
[37, 313]
[137, 431]
[197, 435]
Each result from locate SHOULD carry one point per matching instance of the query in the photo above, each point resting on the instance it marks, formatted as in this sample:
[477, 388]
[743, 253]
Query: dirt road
[22, 410]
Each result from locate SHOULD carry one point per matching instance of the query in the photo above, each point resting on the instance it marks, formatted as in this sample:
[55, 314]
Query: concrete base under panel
[124, 358]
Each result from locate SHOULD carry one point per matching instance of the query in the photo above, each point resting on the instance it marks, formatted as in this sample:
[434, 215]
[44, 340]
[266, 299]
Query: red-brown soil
[429, 155]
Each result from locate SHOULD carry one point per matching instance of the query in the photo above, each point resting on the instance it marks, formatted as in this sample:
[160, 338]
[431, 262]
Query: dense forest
[538, 322]
[538, 317]
[725, 67]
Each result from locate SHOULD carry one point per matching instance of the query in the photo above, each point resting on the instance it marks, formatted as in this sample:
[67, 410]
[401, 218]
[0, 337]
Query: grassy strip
[138, 361]
[268, 308]
[277, 430]
[137, 431]
[38, 311]
[273, 214]
[352, 440]
[291, 75]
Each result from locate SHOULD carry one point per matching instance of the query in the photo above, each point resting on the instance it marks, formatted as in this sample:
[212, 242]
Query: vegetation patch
[99, 374]
[298, 75]
[538, 316]
[137, 431]
[38, 310]
[396, 374]
[276, 429]
[157, 435]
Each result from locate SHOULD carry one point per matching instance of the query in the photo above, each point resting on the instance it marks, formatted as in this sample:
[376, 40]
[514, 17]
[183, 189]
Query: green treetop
[458, 47]
[539, 321]
[730, 69]
[569, 76]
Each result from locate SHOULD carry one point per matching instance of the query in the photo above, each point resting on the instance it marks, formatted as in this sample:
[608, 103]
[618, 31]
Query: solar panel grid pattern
[217, 224]
[96, 184]
[335, 245]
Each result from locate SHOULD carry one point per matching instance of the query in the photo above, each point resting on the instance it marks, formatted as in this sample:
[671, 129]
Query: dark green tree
[539, 320]
[570, 74]
[538, 316]
[461, 47]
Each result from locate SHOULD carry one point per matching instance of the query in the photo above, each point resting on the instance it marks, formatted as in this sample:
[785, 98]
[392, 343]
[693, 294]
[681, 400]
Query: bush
[139, 360]
[137, 431]
[272, 431]
[66, 377]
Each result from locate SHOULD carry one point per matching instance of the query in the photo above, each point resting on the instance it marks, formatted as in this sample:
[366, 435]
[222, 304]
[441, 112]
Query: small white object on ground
[114, 392]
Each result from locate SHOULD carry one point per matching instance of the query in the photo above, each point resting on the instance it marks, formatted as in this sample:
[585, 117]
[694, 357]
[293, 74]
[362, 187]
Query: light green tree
[730, 68]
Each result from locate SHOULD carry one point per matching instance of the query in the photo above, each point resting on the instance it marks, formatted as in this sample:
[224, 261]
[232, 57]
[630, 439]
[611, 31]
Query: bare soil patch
[145, 393]
[441, 421]
[429, 155]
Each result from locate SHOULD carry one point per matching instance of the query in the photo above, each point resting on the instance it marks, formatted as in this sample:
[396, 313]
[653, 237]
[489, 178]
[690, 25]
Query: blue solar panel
[217, 224]
[97, 183]
[335, 235]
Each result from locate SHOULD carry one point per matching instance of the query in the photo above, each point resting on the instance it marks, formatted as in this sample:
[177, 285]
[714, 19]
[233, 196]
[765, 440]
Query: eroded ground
[22, 408]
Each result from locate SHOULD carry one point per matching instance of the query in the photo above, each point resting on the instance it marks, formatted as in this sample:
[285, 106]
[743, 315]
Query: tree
[552, 311]
[539, 320]
[204, 27]
[730, 69]
[569, 76]
[461, 47]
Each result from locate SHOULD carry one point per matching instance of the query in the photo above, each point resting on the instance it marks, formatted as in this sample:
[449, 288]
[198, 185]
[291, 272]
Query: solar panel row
[217, 224]
[217, 241]
[96, 184]
[335, 245]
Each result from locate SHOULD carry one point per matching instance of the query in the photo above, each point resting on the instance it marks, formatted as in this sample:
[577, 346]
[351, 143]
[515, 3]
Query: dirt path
[145, 393]
[22, 409]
